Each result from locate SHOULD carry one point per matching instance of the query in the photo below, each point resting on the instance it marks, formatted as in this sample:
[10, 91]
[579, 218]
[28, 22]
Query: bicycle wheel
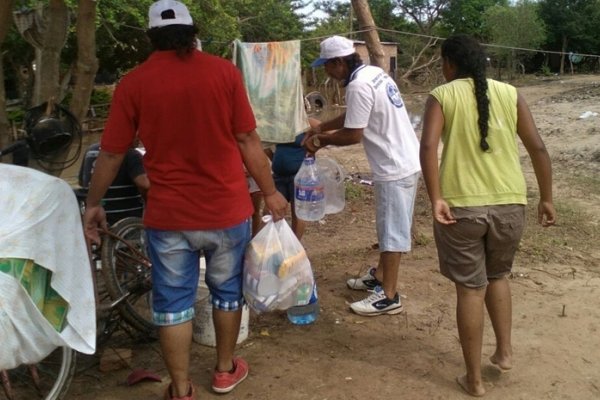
[127, 272]
[48, 380]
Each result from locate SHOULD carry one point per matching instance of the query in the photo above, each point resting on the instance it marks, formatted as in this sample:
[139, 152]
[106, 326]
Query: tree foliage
[425, 14]
[121, 26]
[467, 16]
[266, 20]
[573, 26]
[513, 26]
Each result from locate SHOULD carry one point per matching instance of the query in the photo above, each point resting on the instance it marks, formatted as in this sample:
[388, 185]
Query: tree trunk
[47, 73]
[365, 22]
[5, 23]
[562, 55]
[87, 62]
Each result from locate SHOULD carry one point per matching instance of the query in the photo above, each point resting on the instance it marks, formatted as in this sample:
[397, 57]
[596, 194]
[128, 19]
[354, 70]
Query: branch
[434, 58]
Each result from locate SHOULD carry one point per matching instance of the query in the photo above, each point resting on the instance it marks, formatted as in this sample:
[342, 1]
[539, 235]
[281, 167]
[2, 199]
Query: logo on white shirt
[394, 95]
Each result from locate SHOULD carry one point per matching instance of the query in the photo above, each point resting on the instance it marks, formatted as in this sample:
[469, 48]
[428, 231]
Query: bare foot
[504, 364]
[473, 390]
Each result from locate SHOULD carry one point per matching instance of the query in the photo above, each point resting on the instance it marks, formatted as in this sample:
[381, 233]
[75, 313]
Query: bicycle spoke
[48, 379]
[6, 385]
[35, 377]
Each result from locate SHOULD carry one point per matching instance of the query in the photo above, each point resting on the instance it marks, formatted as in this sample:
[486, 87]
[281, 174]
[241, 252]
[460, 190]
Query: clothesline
[318, 38]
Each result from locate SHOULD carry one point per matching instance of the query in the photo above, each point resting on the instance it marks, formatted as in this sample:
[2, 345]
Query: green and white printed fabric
[46, 286]
[273, 79]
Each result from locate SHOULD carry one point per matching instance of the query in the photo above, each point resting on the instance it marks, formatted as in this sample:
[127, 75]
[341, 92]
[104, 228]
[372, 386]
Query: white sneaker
[365, 282]
[377, 303]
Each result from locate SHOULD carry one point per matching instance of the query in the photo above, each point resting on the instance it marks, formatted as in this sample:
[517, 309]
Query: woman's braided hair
[470, 60]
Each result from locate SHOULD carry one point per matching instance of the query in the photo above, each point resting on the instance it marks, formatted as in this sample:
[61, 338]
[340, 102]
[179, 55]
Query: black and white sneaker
[377, 303]
[365, 282]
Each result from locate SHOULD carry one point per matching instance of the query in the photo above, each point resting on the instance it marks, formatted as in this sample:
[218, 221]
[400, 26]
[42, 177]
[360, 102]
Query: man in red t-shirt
[191, 111]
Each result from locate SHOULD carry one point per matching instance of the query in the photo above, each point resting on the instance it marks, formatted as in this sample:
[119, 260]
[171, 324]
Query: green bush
[16, 116]
[101, 96]
[545, 70]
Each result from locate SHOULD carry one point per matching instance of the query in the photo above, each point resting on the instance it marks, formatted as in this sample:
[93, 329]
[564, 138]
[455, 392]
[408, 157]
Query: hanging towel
[273, 79]
[40, 228]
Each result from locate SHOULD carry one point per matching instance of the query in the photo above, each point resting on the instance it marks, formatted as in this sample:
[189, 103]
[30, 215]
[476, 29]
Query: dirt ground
[416, 354]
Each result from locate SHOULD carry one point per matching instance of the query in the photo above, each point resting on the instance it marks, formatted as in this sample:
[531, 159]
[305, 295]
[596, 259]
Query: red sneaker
[225, 382]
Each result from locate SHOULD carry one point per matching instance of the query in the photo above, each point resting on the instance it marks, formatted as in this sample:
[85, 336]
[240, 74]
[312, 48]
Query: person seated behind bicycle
[127, 193]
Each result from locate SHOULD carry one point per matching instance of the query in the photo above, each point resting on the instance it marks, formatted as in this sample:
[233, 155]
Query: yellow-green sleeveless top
[468, 175]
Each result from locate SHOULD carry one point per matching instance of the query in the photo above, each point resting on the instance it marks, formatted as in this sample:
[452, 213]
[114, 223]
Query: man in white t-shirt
[377, 117]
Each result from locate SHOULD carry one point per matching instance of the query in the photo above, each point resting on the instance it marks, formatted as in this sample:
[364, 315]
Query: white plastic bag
[277, 272]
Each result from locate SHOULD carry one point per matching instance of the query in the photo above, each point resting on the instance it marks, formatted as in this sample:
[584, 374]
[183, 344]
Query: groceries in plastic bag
[277, 272]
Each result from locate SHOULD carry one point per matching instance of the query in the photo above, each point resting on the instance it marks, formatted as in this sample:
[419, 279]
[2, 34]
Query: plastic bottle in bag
[309, 192]
[307, 314]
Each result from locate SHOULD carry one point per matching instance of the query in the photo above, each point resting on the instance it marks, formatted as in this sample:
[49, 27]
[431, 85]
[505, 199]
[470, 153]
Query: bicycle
[127, 273]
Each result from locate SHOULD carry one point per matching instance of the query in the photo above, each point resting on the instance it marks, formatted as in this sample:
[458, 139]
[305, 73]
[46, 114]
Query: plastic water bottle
[309, 192]
[304, 315]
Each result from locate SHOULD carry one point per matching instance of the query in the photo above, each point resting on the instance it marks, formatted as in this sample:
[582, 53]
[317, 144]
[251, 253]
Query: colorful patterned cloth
[273, 79]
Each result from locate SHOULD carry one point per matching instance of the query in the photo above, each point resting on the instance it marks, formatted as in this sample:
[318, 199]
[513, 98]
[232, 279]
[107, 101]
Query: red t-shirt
[186, 113]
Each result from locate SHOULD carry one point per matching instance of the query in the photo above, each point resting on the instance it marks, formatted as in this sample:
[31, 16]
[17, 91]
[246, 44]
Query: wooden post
[366, 23]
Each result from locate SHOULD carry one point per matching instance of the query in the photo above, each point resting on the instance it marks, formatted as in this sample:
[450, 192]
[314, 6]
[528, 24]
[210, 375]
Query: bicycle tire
[53, 384]
[127, 273]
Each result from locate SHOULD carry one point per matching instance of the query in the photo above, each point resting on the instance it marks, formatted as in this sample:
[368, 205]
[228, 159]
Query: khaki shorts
[481, 245]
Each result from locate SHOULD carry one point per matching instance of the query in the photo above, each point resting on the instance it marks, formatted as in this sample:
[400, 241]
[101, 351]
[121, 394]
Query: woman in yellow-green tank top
[478, 194]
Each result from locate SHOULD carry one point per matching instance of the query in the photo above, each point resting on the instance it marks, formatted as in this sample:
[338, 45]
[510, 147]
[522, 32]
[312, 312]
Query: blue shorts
[175, 257]
[395, 204]
[285, 186]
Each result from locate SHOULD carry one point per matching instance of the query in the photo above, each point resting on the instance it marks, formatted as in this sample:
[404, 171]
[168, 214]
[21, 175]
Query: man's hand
[93, 219]
[276, 204]
[312, 144]
[309, 137]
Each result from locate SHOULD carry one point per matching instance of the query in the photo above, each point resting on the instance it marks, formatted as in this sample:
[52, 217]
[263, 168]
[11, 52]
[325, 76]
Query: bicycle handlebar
[12, 147]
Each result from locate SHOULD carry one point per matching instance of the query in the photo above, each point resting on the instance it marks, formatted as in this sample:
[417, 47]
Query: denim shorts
[175, 257]
[285, 186]
[481, 245]
[395, 204]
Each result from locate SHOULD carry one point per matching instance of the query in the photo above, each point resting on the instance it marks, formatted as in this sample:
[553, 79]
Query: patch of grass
[355, 191]
[575, 233]
[420, 239]
[588, 183]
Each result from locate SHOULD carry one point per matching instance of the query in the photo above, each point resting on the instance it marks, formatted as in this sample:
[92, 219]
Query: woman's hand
[546, 213]
[441, 212]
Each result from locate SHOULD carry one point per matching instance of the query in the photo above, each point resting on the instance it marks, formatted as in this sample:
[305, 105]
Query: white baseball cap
[168, 12]
[333, 47]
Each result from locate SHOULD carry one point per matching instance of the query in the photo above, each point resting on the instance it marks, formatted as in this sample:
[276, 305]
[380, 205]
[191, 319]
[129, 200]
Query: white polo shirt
[374, 103]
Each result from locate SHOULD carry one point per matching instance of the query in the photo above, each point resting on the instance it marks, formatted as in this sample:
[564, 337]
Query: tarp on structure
[46, 288]
[273, 79]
